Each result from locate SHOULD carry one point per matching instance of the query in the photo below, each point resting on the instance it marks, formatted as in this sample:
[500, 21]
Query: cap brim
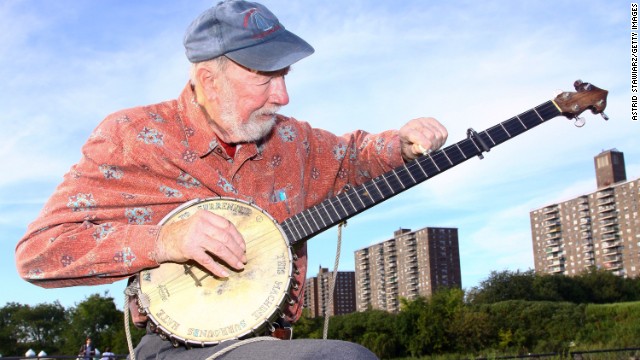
[274, 54]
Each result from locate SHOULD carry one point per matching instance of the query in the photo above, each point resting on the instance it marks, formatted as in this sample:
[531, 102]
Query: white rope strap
[128, 292]
[332, 285]
[240, 343]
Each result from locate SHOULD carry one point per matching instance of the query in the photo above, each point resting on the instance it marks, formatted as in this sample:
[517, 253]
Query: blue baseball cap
[247, 33]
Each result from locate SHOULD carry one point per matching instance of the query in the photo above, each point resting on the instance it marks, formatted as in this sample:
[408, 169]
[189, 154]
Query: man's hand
[205, 238]
[421, 135]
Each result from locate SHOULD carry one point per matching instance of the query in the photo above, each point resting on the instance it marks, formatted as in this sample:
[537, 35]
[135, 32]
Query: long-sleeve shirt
[101, 223]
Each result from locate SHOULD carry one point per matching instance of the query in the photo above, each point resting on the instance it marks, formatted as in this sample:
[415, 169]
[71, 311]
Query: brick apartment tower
[317, 293]
[411, 264]
[610, 168]
[600, 229]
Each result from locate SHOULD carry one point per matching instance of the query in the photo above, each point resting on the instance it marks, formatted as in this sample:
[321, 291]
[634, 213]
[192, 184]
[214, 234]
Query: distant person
[87, 350]
[107, 354]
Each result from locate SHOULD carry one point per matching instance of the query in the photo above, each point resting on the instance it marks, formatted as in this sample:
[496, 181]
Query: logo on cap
[263, 26]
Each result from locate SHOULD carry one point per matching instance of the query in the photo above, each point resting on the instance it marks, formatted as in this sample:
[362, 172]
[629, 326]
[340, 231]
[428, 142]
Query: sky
[67, 64]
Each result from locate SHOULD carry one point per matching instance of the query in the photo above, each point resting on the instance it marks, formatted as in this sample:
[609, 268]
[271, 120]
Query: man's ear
[207, 81]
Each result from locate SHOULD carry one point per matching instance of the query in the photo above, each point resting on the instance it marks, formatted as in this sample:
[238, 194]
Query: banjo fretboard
[354, 200]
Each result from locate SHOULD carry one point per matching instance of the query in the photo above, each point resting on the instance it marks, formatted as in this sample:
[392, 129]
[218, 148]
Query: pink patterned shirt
[101, 223]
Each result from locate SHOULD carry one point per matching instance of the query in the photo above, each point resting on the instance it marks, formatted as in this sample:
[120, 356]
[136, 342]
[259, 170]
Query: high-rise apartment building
[600, 229]
[317, 298]
[411, 264]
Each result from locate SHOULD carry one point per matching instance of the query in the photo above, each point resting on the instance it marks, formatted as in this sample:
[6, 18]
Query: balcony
[556, 270]
[553, 242]
[553, 229]
[608, 259]
[606, 208]
[608, 222]
[606, 200]
[613, 265]
[610, 229]
[604, 193]
[551, 216]
[551, 223]
[611, 244]
[558, 262]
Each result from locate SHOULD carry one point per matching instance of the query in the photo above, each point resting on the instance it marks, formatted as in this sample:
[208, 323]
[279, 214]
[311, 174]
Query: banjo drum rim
[266, 323]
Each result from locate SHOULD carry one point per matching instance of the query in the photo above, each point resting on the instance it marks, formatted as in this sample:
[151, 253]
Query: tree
[603, 287]
[98, 318]
[39, 327]
[558, 287]
[42, 326]
[9, 329]
[502, 286]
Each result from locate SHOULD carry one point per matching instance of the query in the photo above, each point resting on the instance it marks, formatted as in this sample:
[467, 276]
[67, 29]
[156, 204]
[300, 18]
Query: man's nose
[279, 94]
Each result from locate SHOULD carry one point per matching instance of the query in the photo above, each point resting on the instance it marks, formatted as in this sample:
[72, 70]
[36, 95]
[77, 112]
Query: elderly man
[222, 136]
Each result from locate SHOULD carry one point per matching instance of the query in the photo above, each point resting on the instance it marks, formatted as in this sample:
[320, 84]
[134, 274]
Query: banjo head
[191, 306]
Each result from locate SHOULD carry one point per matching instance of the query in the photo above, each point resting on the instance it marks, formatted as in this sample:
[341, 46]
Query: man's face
[246, 103]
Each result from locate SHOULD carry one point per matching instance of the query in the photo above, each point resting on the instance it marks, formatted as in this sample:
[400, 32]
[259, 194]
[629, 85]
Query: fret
[355, 192]
[306, 221]
[409, 172]
[434, 163]
[295, 227]
[285, 228]
[505, 129]
[517, 128]
[472, 147]
[406, 177]
[490, 138]
[532, 118]
[377, 188]
[339, 198]
[421, 168]
[355, 209]
[326, 211]
[497, 134]
[397, 177]
[517, 117]
[461, 152]
[548, 110]
[303, 230]
[453, 154]
[314, 218]
[476, 145]
[536, 111]
[335, 210]
[384, 177]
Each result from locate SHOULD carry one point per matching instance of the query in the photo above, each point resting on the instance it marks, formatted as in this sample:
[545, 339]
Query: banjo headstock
[586, 97]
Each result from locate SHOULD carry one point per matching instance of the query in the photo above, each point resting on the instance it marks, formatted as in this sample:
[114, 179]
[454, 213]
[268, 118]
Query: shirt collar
[200, 137]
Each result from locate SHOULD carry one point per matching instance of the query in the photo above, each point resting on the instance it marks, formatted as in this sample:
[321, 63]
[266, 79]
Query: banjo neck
[356, 199]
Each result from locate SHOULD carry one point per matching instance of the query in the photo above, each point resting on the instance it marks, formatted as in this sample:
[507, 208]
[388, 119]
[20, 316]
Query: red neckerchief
[230, 149]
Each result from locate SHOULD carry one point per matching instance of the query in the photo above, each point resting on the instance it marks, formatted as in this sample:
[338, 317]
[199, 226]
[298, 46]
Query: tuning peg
[604, 116]
[579, 121]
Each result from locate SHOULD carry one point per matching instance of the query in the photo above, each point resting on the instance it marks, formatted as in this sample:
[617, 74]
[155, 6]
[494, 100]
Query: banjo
[188, 305]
